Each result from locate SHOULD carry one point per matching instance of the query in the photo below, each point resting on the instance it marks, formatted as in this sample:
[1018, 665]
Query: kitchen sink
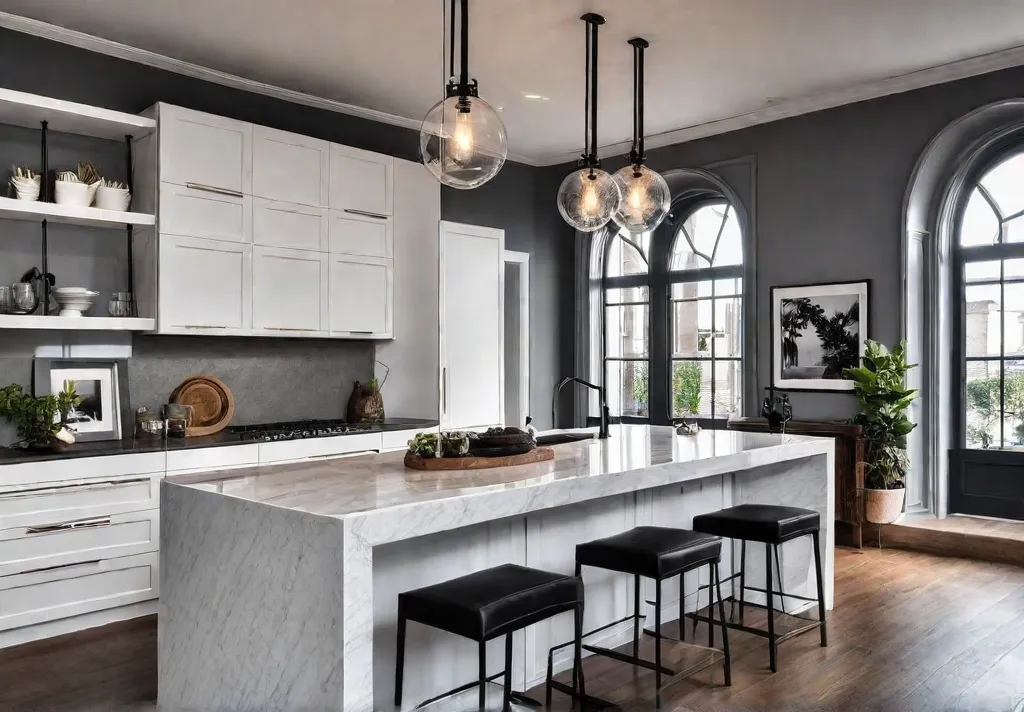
[562, 438]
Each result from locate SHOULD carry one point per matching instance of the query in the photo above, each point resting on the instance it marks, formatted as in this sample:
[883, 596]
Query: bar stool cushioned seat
[767, 523]
[653, 552]
[489, 603]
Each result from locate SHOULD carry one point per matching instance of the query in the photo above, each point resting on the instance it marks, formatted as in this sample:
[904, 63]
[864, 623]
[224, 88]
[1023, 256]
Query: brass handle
[215, 189]
[366, 214]
[94, 523]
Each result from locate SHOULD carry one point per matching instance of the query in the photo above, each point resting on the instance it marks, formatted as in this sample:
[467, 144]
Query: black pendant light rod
[593, 21]
[464, 86]
[464, 73]
[636, 154]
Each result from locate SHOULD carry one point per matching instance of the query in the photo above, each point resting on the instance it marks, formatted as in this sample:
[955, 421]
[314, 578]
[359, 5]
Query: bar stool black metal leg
[636, 616]
[506, 703]
[778, 577]
[657, 642]
[547, 693]
[711, 607]
[743, 575]
[577, 664]
[399, 661]
[721, 620]
[483, 675]
[682, 607]
[771, 609]
[821, 589]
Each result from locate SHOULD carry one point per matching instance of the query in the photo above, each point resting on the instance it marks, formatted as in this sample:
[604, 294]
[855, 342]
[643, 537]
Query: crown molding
[952, 71]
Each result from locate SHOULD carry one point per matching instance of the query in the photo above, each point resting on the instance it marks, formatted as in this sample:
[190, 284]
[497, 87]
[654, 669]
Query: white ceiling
[709, 59]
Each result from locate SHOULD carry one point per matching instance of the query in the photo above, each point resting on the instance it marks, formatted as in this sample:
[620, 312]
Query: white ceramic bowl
[77, 194]
[25, 190]
[74, 301]
[112, 198]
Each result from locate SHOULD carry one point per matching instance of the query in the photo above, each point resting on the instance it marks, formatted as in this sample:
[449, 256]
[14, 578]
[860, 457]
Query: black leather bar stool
[771, 525]
[485, 605]
[656, 553]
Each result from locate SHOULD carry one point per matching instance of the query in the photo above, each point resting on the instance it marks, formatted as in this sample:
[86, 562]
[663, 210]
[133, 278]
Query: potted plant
[40, 420]
[687, 377]
[880, 385]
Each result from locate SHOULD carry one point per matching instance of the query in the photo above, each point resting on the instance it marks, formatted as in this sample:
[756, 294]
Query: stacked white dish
[111, 198]
[74, 301]
[26, 188]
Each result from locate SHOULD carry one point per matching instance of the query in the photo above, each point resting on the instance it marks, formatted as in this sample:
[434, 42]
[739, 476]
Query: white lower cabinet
[41, 596]
[360, 297]
[205, 286]
[289, 292]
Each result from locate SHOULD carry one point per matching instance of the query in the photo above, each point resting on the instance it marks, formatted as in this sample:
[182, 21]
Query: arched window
[666, 313]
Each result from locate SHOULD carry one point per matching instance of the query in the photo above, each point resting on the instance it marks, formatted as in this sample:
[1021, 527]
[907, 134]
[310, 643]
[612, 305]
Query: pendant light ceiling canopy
[462, 139]
[645, 194]
[589, 196]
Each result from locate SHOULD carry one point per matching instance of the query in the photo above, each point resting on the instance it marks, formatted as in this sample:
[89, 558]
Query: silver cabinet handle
[285, 328]
[361, 332]
[215, 189]
[192, 326]
[444, 390]
[76, 565]
[48, 491]
[94, 523]
[366, 214]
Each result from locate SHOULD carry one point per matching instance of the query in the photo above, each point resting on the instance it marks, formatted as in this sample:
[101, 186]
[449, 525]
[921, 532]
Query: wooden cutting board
[415, 462]
[212, 403]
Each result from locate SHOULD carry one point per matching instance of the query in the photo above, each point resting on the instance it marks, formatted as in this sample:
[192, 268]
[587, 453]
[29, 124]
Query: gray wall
[829, 196]
[35, 65]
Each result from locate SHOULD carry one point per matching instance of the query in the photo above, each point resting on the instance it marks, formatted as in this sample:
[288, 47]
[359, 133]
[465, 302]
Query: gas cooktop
[296, 430]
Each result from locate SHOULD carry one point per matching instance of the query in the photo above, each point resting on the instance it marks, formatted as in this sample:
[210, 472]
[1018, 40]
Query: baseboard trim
[946, 543]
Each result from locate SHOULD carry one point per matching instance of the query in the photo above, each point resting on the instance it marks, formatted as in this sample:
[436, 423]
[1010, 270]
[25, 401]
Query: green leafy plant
[38, 419]
[686, 387]
[880, 385]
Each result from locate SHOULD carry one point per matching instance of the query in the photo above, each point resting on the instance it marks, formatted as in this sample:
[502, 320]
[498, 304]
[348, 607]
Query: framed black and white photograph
[818, 330]
[103, 412]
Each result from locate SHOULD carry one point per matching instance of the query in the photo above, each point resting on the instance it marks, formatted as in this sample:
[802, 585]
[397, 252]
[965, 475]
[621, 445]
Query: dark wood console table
[849, 470]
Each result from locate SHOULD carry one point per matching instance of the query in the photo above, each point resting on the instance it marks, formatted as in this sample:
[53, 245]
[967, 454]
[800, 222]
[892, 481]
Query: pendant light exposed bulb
[645, 195]
[462, 139]
[589, 196]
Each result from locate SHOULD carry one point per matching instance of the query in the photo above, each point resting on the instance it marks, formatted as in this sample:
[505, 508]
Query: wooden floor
[910, 633]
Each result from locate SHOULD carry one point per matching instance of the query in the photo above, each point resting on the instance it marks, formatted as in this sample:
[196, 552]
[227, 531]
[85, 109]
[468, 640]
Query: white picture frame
[102, 386]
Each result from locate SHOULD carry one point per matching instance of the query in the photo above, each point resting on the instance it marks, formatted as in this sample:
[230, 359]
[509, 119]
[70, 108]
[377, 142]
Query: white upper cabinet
[289, 296]
[289, 167]
[205, 152]
[205, 286]
[360, 297]
[352, 234]
[291, 225]
[362, 182]
[195, 212]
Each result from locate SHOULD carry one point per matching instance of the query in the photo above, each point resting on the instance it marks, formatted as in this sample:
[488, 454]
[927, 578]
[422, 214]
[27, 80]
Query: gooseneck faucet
[602, 431]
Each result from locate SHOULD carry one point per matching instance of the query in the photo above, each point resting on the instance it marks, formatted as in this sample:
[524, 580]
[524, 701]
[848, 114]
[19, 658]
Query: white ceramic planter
[112, 198]
[883, 506]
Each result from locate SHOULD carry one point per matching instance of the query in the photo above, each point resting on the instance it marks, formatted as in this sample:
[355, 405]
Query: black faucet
[602, 431]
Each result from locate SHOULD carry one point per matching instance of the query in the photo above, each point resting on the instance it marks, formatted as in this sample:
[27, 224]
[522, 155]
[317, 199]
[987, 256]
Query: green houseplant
[880, 385]
[40, 420]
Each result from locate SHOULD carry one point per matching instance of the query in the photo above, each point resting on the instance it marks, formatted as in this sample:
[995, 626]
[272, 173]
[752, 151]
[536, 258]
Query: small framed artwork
[817, 331]
[101, 384]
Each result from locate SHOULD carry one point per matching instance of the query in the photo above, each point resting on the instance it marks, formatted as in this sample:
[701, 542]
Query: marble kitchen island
[279, 584]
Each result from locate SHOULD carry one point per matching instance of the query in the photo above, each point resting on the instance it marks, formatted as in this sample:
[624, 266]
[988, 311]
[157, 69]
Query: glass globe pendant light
[462, 140]
[645, 195]
[589, 196]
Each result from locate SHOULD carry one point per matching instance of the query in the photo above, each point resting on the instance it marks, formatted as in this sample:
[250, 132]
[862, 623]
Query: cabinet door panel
[299, 227]
[360, 297]
[352, 234]
[206, 150]
[289, 167]
[195, 212]
[289, 291]
[204, 284]
[361, 180]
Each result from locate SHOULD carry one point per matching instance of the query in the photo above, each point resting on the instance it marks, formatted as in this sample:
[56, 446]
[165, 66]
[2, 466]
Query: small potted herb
[40, 420]
[880, 385]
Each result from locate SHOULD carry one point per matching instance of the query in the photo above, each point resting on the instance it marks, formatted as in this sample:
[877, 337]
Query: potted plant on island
[880, 385]
[40, 420]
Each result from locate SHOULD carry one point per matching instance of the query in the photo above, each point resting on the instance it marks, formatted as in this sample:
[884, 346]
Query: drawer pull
[366, 214]
[71, 489]
[285, 328]
[361, 332]
[68, 526]
[191, 326]
[215, 189]
[64, 566]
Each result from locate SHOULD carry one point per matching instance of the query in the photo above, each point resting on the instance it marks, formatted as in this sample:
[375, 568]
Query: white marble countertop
[353, 487]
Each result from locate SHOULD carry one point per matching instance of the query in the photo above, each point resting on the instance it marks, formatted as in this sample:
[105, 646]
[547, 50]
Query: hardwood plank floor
[911, 632]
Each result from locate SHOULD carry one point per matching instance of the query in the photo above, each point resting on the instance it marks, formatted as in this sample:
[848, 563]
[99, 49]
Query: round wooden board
[415, 462]
[212, 403]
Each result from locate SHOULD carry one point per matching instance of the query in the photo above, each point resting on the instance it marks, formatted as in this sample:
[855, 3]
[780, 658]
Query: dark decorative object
[777, 410]
[366, 405]
[818, 333]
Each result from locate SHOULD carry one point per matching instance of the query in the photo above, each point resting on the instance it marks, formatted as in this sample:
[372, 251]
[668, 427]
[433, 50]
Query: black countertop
[128, 446]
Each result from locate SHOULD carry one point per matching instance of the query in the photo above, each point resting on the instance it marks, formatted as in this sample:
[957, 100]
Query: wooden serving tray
[414, 461]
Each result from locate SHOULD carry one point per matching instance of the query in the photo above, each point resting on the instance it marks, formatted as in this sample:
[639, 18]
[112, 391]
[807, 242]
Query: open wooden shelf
[37, 211]
[30, 110]
[75, 323]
